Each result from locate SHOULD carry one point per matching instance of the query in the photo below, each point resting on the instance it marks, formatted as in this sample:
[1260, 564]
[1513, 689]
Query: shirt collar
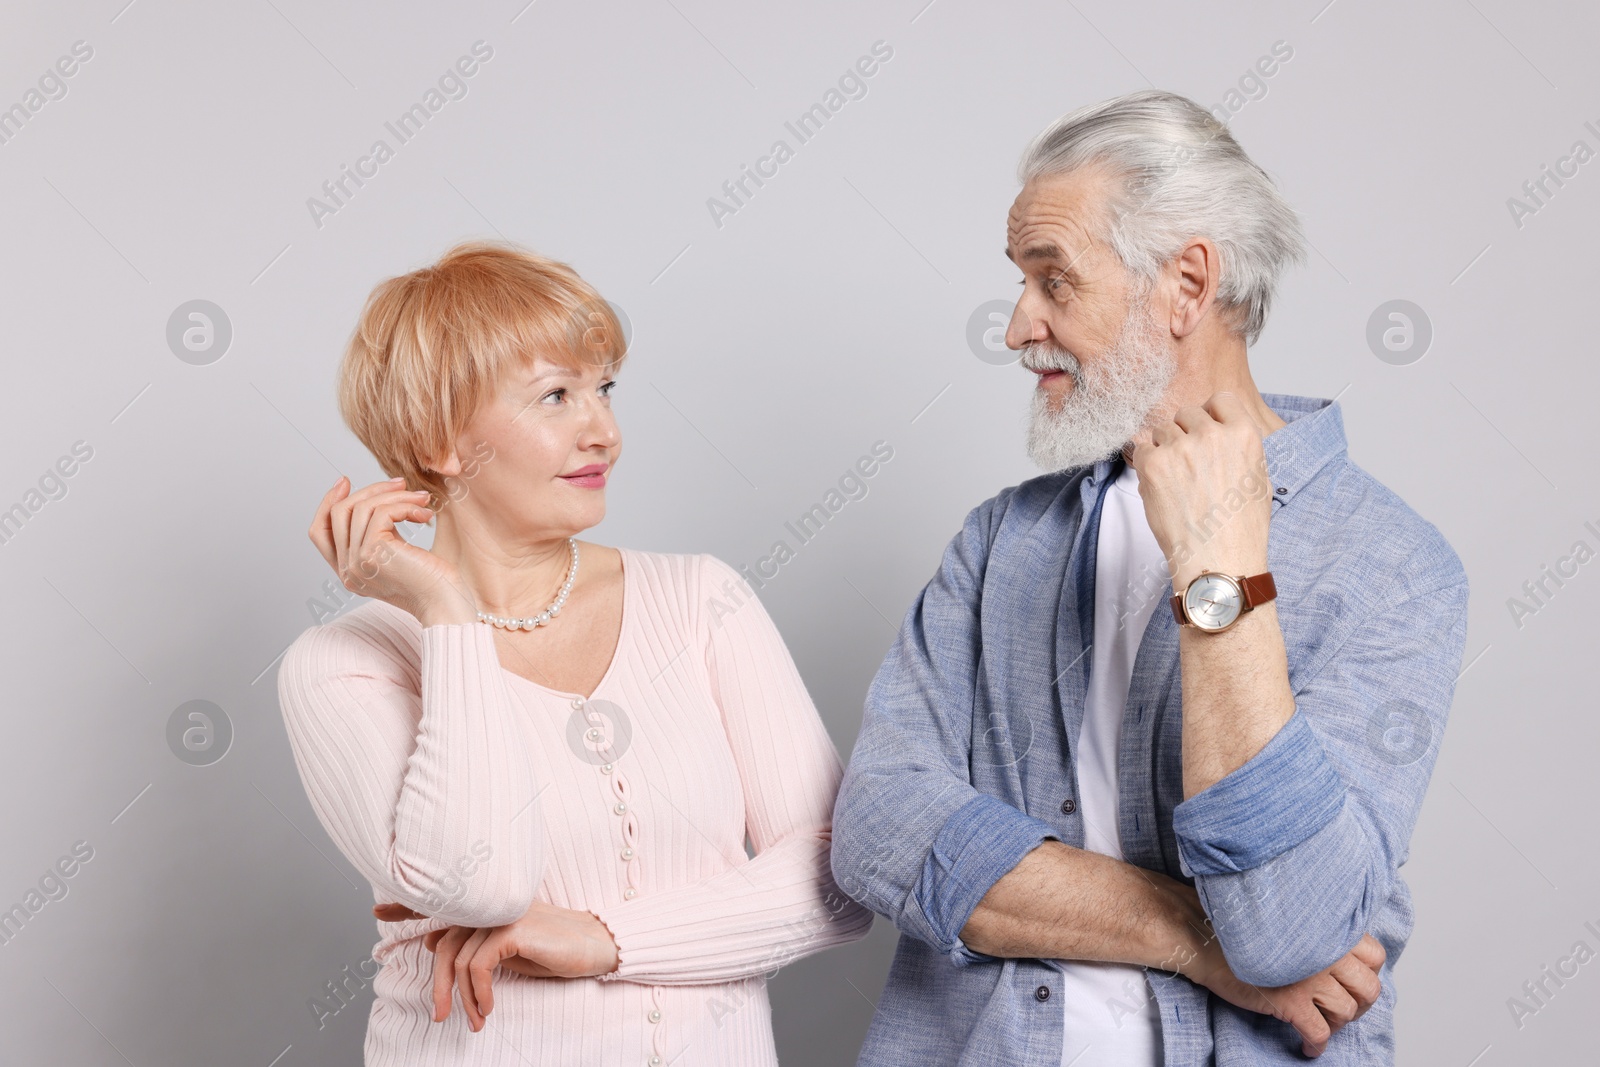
[1312, 435]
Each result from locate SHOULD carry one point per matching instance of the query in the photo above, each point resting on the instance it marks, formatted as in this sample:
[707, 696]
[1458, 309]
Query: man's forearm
[1061, 902]
[1236, 695]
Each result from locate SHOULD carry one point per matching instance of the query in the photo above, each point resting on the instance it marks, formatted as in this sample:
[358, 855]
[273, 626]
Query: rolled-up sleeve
[1284, 794]
[912, 838]
[1294, 851]
[980, 842]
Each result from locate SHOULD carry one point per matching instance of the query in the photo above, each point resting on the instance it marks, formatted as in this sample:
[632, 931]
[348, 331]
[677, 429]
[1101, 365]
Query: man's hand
[1317, 1007]
[1205, 473]
[547, 942]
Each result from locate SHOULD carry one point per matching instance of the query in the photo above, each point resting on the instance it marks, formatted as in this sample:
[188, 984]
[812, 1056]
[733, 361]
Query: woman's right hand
[355, 532]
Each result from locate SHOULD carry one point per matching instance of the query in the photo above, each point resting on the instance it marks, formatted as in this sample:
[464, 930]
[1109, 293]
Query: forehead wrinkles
[1061, 230]
[1053, 216]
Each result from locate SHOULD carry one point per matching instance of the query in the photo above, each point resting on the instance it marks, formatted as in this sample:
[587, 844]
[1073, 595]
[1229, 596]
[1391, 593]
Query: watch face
[1213, 601]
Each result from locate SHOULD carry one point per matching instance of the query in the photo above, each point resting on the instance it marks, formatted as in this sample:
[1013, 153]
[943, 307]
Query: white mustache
[1038, 357]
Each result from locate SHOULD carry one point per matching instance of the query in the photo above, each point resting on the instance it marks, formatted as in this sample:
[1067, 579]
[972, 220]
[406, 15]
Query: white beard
[1109, 402]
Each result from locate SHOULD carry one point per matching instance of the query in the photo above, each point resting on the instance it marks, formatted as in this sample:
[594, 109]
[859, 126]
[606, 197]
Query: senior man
[1137, 777]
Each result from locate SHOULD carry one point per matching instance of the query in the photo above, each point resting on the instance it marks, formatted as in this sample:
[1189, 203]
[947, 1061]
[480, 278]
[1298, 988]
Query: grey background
[769, 354]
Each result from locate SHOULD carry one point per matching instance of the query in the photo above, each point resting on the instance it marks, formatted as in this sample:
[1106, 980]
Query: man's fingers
[1359, 980]
[1338, 1007]
[1313, 1029]
[1192, 419]
[1226, 407]
[1370, 951]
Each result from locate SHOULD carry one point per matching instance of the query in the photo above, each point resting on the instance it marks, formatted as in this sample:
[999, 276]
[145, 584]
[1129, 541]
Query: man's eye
[1050, 284]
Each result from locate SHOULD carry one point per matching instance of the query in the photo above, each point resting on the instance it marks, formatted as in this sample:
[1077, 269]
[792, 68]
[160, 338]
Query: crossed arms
[1291, 852]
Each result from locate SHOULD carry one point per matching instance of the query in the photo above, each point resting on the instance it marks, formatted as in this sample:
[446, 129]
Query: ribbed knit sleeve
[782, 904]
[420, 775]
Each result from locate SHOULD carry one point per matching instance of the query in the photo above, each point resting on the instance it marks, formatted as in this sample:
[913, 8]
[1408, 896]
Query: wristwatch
[1212, 602]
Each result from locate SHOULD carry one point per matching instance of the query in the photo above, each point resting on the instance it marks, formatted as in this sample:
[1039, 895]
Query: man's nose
[1024, 329]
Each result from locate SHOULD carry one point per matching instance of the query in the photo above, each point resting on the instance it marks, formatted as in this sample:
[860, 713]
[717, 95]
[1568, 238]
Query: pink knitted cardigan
[465, 792]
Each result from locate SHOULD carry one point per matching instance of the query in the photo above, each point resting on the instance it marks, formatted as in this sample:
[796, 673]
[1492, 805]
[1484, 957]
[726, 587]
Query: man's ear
[1199, 270]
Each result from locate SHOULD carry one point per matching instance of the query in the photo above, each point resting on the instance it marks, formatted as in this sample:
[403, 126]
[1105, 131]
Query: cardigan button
[1042, 993]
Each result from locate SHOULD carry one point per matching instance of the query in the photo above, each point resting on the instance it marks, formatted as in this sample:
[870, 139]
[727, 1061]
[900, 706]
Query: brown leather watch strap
[1177, 609]
[1258, 589]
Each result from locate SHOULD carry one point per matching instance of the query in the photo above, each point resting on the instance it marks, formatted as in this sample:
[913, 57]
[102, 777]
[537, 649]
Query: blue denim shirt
[967, 759]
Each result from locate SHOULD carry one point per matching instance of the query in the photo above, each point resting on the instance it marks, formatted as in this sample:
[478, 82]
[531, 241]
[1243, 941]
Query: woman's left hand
[547, 942]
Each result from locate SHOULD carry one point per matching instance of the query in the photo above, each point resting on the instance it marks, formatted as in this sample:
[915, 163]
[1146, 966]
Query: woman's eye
[557, 393]
[607, 387]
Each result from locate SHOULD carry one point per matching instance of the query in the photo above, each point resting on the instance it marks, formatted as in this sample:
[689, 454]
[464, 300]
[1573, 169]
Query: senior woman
[546, 754]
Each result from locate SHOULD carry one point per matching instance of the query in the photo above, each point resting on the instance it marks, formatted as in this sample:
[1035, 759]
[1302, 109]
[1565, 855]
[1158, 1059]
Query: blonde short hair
[431, 345]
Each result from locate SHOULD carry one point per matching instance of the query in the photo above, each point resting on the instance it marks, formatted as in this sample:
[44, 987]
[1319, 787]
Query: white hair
[1179, 175]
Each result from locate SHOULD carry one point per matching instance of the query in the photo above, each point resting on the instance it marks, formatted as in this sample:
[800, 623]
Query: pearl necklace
[548, 613]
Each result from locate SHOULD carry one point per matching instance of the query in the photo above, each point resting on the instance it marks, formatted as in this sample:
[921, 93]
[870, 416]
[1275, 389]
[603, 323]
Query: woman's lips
[591, 477]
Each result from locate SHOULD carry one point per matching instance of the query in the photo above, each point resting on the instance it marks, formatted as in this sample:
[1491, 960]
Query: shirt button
[1042, 993]
[1068, 806]
[1282, 490]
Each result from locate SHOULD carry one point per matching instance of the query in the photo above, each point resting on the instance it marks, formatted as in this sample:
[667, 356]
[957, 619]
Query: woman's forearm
[748, 920]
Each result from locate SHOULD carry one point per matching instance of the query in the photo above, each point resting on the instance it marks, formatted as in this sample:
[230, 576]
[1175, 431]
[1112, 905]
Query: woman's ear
[449, 466]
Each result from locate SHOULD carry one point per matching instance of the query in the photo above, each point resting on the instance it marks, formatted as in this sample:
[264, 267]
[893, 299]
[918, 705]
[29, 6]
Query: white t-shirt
[1110, 1008]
